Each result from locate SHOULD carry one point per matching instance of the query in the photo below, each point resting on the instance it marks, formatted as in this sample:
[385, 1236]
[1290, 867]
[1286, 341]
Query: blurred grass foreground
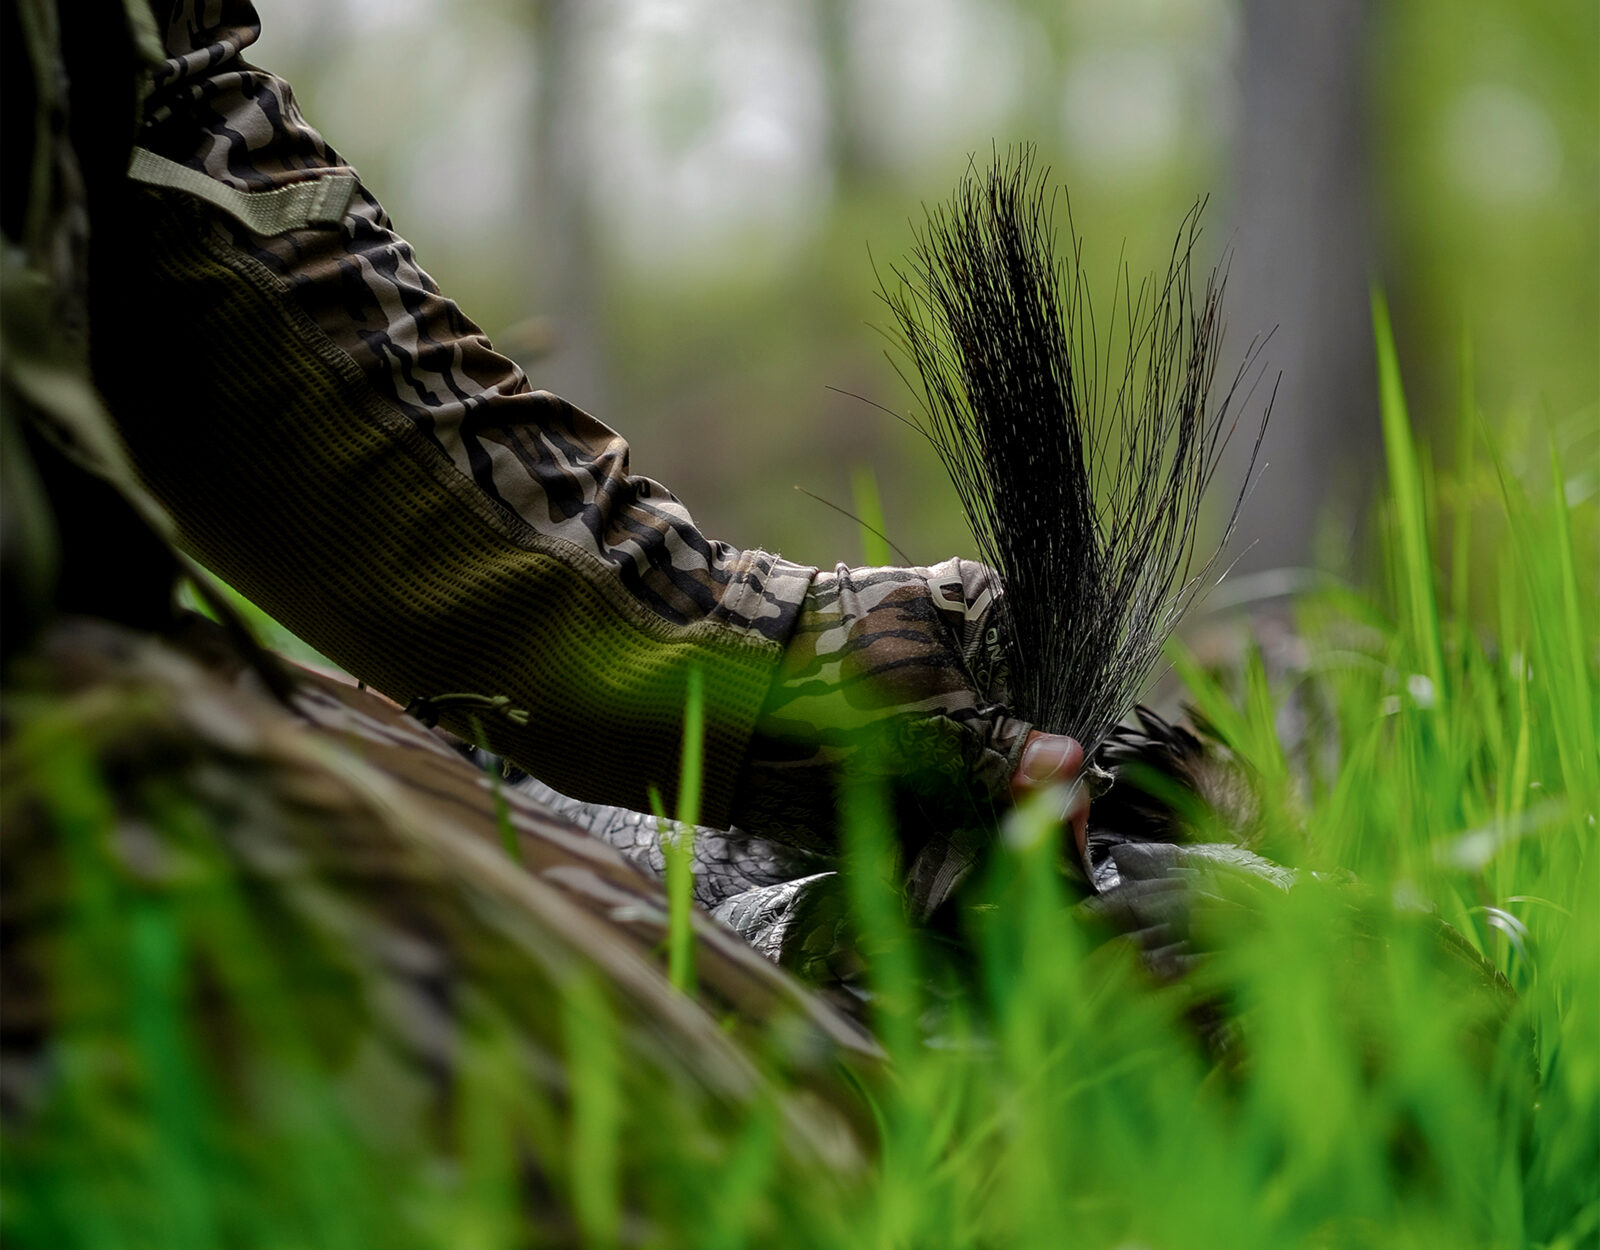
[215, 1040]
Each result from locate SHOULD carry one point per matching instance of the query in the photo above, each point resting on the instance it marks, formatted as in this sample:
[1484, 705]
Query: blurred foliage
[1489, 116]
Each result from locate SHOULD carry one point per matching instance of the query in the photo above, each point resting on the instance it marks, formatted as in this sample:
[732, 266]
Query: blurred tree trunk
[561, 273]
[1303, 256]
[847, 158]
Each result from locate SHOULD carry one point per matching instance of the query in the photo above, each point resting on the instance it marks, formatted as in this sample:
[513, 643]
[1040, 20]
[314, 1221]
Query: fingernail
[1050, 757]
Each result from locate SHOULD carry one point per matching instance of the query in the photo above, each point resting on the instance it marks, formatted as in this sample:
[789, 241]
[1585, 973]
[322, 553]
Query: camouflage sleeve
[339, 441]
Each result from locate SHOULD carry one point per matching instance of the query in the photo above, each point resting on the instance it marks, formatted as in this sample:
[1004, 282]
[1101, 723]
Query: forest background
[670, 211]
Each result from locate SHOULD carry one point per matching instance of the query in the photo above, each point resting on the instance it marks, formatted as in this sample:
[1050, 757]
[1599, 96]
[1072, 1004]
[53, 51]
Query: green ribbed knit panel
[293, 480]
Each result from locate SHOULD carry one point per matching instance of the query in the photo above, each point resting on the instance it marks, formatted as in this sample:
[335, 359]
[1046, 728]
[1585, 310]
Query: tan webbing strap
[320, 201]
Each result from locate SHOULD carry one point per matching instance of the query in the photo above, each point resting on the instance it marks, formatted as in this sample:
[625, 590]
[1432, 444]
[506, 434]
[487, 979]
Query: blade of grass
[1576, 668]
[502, 809]
[591, 1044]
[869, 516]
[1461, 538]
[1410, 507]
[678, 843]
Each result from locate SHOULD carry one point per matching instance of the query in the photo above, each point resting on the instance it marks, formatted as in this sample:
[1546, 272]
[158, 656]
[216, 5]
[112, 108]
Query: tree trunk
[1303, 257]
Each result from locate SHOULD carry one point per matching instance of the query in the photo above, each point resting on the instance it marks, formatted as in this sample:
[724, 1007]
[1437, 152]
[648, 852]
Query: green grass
[678, 840]
[1380, 1098]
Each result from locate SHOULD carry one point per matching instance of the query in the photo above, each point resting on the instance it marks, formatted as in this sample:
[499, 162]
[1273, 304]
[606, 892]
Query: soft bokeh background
[669, 211]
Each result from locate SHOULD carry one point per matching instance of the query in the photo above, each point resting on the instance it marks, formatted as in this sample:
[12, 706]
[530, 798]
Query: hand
[898, 677]
[1055, 760]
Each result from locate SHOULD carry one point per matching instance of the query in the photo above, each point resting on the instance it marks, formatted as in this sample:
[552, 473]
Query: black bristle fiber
[1081, 465]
